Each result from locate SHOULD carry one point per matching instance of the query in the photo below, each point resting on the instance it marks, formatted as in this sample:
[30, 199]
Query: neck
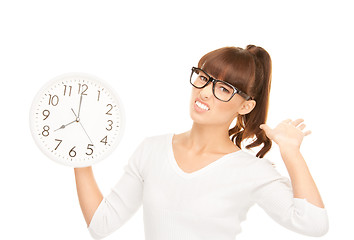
[208, 138]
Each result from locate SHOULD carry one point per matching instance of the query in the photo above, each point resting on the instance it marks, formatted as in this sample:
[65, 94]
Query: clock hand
[63, 126]
[87, 134]
[78, 114]
[78, 120]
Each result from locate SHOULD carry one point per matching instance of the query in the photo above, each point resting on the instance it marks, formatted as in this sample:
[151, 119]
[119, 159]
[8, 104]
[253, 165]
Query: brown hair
[249, 70]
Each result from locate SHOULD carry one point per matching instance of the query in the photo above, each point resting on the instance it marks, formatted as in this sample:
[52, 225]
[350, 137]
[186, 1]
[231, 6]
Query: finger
[307, 132]
[302, 126]
[287, 120]
[265, 127]
[297, 122]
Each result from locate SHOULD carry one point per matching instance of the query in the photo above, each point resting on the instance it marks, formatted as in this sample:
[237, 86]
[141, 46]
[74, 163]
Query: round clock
[77, 119]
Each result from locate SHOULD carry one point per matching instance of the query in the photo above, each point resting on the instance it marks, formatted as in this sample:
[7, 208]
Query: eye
[224, 89]
[203, 78]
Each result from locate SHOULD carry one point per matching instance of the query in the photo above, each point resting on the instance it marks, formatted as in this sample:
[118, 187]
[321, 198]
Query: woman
[200, 184]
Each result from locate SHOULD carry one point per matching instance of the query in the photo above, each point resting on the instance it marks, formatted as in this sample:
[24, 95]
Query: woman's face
[217, 112]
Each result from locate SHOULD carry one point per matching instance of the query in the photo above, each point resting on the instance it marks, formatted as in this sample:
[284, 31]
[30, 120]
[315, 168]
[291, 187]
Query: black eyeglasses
[222, 90]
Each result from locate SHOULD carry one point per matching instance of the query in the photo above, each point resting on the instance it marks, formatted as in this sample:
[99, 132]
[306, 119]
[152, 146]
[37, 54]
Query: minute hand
[78, 114]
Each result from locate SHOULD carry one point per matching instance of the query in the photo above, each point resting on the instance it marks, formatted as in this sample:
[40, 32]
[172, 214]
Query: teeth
[199, 104]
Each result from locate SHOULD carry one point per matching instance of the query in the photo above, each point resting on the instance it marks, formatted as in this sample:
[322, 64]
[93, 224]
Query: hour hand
[63, 126]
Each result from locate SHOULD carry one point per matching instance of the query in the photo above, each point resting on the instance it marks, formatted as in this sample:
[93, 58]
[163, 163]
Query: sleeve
[123, 201]
[274, 194]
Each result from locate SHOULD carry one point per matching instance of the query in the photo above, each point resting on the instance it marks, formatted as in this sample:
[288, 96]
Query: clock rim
[102, 83]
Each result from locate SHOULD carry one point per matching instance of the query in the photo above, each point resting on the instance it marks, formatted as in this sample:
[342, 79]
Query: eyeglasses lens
[222, 90]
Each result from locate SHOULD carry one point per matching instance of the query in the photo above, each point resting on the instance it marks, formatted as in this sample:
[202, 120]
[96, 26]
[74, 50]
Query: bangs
[230, 64]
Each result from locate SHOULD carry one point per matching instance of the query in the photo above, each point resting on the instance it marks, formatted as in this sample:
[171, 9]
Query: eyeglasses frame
[213, 80]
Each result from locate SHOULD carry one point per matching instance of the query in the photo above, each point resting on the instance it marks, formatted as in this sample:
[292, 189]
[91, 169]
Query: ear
[247, 107]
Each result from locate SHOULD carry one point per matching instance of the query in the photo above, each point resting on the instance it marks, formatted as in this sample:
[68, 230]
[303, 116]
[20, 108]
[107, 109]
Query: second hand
[78, 120]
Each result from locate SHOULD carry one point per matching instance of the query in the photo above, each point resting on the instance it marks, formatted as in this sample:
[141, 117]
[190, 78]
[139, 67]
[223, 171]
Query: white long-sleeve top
[209, 203]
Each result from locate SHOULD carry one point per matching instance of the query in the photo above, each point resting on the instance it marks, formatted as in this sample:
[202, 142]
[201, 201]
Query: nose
[207, 91]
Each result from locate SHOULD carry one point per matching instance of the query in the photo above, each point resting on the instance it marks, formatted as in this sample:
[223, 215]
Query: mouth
[200, 106]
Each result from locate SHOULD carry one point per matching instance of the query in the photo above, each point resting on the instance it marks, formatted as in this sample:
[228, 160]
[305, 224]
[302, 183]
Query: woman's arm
[88, 192]
[294, 204]
[301, 179]
[104, 215]
[274, 194]
[288, 135]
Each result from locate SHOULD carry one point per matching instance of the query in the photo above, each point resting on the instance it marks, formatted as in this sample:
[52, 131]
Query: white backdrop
[147, 48]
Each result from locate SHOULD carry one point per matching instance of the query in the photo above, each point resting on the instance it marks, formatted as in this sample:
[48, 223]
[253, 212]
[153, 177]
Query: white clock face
[76, 119]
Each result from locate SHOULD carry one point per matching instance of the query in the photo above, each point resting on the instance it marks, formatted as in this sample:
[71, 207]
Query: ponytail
[247, 126]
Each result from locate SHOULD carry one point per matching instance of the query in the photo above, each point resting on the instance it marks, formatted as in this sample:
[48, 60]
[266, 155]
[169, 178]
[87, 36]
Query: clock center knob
[77, 119]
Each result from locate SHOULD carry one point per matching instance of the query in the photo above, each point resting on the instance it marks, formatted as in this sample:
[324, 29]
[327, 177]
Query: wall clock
[77, 119]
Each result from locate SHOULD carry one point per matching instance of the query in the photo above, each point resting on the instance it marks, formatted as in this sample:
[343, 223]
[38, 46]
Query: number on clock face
[77, 119]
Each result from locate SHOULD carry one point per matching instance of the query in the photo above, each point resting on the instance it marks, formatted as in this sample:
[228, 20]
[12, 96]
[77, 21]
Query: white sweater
[208, 204]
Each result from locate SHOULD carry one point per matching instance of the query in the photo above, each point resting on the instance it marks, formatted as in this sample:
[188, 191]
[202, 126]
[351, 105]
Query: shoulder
[149, 148]
[252, 159]
[258, 167]
[265, 170]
